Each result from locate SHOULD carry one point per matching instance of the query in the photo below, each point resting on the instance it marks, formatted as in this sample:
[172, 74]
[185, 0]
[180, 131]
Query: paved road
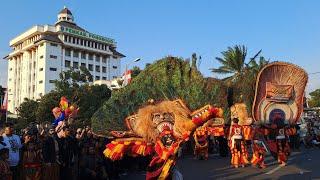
[301, 165]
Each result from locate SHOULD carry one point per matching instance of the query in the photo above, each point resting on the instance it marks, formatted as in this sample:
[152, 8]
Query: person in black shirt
[68, 150]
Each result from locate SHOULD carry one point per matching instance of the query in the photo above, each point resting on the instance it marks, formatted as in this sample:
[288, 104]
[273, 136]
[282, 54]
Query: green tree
[135, 71]
[71, 80]
[46, 104]
[2, 92]
[235, 64]
[75, 85]
[314, 98]
[232, 61]
[247, 90]
[90, 100]
[27, 112]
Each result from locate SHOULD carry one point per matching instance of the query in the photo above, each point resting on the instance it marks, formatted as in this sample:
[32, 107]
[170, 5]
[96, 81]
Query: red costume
[237, 146]
[159, 129]
[201, 143]
[164, 160]
[259, 148]
[283, 148]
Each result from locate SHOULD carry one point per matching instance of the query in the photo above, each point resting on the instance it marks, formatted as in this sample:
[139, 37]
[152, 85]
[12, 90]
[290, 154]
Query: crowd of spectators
[311, 137]
[43, 152]
[39, 153]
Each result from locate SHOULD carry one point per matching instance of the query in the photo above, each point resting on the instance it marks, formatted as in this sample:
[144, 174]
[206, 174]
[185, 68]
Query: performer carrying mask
[237, 146]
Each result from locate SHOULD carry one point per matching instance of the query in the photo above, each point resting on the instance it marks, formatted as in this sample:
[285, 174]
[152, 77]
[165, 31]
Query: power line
[314, 73]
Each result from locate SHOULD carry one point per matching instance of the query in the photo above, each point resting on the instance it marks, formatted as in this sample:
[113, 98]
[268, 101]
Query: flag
[4, 102]
[126, 77]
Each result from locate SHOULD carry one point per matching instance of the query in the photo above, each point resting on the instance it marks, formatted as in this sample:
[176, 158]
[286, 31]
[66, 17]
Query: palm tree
[233, 62]
[255, 66]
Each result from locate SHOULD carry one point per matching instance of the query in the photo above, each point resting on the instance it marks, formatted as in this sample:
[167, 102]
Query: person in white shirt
[13, 143]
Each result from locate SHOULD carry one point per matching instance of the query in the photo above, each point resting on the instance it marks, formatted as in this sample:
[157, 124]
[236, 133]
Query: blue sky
[286, 30]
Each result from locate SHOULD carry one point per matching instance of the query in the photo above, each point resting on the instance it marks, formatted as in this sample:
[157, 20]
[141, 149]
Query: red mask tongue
[166, 128]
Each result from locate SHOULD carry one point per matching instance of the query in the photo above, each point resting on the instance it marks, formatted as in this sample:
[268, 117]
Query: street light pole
[125, 73]
[136, 60]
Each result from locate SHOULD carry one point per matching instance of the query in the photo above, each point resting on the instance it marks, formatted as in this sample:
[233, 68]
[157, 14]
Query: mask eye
[167, 115]
[156, 116]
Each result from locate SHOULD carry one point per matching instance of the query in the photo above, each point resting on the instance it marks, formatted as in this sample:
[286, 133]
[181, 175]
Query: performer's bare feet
[262, 166]
[282, 164]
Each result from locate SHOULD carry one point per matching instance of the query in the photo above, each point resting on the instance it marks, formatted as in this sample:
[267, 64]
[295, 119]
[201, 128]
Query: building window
[104, 78]
[51, 81]
[9, 79]
[98, 58]
[67, 52]
[81, 42]
[104, 69]
[83, 55]
[40, 82]
[114, 67]
[73, 40]
[104, 59]
[41, 44]
[75, 54]
[53, 69]
[90, 67]
[75, 65]
[97, 77]
[69, 39]
[90, 57]
[65, 38]
[67, 63]
[97, 68]
[10, 69]
[53, 56]
[41, 69]
[83, 64]
[53, 44]
[114, 77]
[41, 57]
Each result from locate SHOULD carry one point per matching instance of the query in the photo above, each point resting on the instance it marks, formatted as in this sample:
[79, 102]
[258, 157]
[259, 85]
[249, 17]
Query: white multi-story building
[42, 52]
